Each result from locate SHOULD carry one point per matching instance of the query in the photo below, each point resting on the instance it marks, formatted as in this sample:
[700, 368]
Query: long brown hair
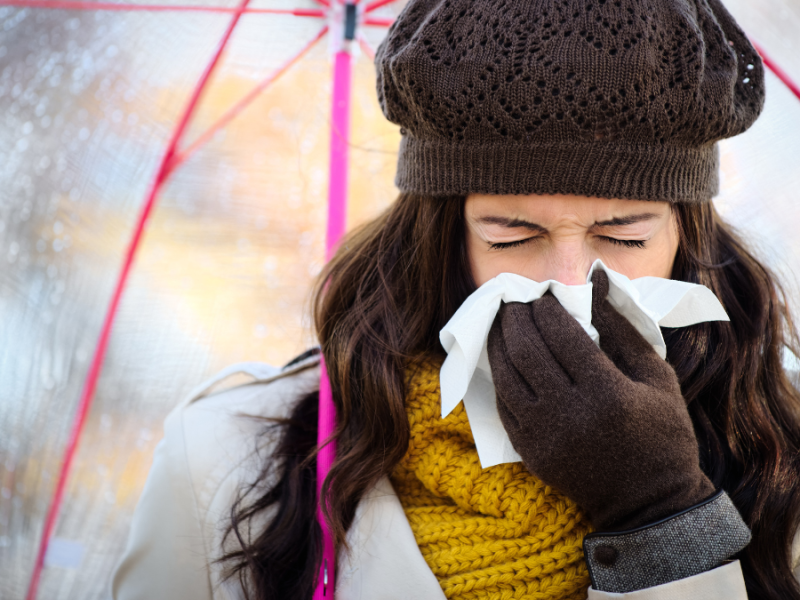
[382, 300]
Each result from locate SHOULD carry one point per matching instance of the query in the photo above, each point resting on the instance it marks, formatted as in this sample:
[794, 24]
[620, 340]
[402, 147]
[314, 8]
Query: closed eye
[615, 241]
[626, 243]
[514, 244]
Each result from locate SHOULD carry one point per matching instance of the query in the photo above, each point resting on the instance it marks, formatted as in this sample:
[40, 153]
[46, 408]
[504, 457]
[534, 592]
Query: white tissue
[648, 302]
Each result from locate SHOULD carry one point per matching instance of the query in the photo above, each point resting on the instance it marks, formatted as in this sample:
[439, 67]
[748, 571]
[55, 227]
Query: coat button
[605, 555]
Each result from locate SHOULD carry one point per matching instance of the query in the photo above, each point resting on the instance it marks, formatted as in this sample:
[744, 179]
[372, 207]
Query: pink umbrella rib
[779, 73]
[376, 4]
[79, 5]
[234, 111]
[366, 47]
[378, 22]
[90, 383]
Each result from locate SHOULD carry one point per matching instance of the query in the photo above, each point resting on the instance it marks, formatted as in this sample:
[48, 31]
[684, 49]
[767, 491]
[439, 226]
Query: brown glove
[607, 427]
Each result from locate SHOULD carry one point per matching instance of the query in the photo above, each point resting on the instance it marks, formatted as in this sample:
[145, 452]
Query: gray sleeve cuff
[693, 541]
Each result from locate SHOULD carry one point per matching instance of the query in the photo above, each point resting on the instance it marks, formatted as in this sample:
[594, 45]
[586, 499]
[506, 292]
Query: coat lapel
[384, 561]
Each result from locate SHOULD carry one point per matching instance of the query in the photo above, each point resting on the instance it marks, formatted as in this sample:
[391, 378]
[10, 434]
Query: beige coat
[207, 453]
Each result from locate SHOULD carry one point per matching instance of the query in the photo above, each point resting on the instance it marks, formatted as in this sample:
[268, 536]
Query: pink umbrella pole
[337, 213]
[340, 129]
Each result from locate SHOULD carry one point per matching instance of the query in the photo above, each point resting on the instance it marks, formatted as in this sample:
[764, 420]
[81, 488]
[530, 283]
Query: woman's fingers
[569, 344]
[599, 289]
[526, 351]
[623, 344]
[514, 395]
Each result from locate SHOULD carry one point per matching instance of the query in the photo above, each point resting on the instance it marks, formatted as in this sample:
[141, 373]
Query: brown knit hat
[605, 98]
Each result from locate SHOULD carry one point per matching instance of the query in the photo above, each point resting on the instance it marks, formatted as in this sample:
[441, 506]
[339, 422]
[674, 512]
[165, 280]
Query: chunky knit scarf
[496, 533]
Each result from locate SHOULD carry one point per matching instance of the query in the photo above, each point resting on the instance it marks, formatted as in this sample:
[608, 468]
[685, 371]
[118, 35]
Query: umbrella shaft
[340, 141]
[337, 218]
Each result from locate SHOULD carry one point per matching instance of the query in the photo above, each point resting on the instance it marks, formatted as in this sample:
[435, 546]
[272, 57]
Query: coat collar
[384, 561]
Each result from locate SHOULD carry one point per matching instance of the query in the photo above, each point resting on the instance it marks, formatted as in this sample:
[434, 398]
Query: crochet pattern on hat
[649, 85]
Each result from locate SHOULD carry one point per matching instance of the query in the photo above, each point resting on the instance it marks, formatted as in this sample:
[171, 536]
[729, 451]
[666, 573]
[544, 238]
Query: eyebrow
[627, 220]
[511, 223]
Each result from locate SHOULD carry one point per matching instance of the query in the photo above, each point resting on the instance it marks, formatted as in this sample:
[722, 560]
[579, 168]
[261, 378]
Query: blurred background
[88, 100]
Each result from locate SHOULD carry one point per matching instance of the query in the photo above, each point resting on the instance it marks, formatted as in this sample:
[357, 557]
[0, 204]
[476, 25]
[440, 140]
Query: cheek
[655, 260]
[484, 265]
[537, 260]
[488, 264]
[664, 252]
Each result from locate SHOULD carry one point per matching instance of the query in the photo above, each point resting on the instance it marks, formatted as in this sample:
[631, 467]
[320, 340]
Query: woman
[537, 137]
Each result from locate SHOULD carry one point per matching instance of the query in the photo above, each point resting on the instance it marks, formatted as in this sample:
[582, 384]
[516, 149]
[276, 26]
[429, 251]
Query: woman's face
[558, 236]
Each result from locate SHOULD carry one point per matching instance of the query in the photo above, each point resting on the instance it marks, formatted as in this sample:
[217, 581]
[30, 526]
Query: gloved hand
[606, 426]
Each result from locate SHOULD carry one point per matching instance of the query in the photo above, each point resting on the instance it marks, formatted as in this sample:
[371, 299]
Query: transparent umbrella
[91, 97]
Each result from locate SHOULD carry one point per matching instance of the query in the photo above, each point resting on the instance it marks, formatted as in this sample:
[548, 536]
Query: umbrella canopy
[90, 99]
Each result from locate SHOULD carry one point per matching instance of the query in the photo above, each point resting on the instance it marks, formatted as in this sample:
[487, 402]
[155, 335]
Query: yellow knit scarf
[496, 533]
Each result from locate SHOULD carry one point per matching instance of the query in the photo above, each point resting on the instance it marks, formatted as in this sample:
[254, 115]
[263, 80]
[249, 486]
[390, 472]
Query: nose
[567, 265]
[571, 276]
